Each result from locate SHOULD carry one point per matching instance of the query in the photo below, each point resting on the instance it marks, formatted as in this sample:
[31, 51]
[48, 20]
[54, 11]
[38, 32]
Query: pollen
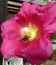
[29, 32]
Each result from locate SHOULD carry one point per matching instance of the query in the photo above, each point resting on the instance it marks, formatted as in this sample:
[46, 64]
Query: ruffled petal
[38, 51]
[36, 15]
[10, 29]
[12, 48]
[25, 9]
[30, 13]
[24, 13]
[51, 28]
[50, 18]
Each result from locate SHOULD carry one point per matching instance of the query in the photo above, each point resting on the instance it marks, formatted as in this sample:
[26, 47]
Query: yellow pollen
[30, 32]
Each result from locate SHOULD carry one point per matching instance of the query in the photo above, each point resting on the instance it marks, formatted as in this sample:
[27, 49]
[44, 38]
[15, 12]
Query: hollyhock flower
[27, 34]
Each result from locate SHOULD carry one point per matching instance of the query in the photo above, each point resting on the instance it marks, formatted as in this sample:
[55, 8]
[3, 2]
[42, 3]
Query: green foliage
[53, 37]
[24, 60]
[47, 0]
[54, 51]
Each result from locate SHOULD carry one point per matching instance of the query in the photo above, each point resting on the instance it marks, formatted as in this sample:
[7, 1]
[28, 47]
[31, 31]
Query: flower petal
[25, 9]
[12, 48]
[39, 51]
[30, 13]
[37, 14]
[10, 29]
[50, 18]
[24, 13]
[51, 28]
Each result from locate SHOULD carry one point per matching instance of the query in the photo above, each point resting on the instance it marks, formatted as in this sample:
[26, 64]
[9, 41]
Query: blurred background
[8, 8]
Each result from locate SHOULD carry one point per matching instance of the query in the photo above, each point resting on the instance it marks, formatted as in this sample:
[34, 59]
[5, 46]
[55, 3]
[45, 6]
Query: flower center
[29, 33]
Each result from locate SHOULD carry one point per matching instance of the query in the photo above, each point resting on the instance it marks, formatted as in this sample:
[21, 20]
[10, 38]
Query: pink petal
[36, 16]
[25, 9]
[10, 29]
[50, 18]
[24, 14]
[38, 51]
[12, 48]
[51, 28]
[30, 14]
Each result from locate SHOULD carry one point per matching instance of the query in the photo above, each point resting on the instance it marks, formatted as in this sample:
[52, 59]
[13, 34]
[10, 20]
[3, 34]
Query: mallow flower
[28, 33]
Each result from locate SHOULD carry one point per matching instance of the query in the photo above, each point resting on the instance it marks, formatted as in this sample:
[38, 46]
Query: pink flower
[27, 34]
